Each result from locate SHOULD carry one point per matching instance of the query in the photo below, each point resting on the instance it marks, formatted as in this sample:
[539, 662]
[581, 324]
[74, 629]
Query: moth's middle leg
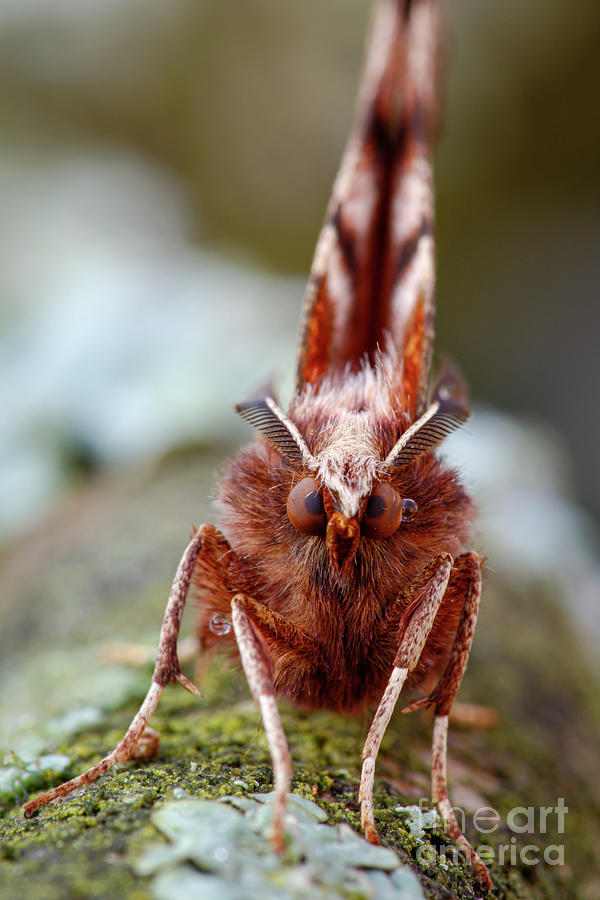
[256, 629]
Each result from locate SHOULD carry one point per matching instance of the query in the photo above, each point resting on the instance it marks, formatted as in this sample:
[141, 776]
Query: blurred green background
[164, 169]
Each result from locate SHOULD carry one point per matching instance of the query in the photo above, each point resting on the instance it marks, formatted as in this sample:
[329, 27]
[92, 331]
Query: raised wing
[372, 279]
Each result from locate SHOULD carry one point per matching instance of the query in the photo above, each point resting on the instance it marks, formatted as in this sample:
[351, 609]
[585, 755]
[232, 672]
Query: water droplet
[409, 510]
[220, 625]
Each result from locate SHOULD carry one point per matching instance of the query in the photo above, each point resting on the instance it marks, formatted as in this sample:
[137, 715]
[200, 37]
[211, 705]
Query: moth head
[345, 492]
[312, 510]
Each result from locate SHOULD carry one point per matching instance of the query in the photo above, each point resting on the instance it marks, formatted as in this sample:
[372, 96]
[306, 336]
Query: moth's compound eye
[409, 510]
[305, 507]
[383, 513]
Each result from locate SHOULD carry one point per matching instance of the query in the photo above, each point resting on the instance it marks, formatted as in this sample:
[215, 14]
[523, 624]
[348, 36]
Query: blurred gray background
[164, 168]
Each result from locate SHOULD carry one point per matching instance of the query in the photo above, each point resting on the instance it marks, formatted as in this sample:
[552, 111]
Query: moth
[341, 573]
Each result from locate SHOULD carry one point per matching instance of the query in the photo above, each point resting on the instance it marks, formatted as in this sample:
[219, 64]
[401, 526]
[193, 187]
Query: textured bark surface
[101, 572]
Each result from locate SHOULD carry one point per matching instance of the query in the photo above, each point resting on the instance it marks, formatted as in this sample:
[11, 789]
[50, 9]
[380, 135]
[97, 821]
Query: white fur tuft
[346, 454]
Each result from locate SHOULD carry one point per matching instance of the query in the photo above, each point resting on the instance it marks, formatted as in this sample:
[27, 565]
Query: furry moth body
[342, 559]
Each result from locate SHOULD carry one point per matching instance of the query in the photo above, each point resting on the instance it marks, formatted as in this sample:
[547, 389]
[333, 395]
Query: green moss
[212, 749]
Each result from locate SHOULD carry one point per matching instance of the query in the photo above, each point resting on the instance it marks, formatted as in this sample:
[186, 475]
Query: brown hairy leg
[166, 670]
[256, 666]
[423, 598]
[467, 572]
[425, 595]
[256, 628]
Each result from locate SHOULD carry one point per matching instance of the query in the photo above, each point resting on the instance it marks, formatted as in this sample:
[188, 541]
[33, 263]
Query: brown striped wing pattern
[371, 286]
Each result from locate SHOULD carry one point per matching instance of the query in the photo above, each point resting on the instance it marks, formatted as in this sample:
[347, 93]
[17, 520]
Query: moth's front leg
[256, 628]
[425, 595]
[466, 579]
[166, 669]
[423, 598]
